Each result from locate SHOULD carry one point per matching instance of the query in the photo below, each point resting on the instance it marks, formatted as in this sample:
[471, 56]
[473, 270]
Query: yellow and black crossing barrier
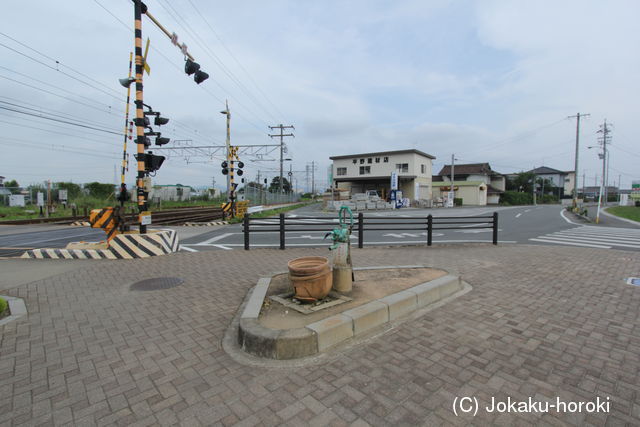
[107, 219]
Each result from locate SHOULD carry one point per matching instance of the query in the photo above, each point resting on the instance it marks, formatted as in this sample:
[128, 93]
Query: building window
[365, 170]
[385, 159]
[423, 169]
[361, 161]
[369, 160]
[377, 159]
[402, 167]
[341, 171]
[355, 161]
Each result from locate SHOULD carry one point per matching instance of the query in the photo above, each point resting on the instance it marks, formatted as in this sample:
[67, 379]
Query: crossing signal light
[161, 140]
[191, 67]
[225, 169]
[151, 162]
[200, 76]
[159, 121]
[239, 172]
[142, 122]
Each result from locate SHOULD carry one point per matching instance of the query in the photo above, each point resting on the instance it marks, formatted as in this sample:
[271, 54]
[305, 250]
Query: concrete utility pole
[575, 187]
[281, 135]
[228, 144]
[604, 130]
[534, 186]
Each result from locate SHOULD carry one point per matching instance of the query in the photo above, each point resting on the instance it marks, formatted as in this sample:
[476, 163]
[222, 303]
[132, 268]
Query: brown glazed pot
[310, 277]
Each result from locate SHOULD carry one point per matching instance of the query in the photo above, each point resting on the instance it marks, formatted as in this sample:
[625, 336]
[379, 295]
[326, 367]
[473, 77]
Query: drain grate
[156, 284]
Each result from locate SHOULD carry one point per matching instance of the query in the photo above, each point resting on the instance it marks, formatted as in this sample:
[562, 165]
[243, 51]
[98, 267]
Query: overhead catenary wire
[198, 39]
[55, 147]
[61, 121]
[238, 62]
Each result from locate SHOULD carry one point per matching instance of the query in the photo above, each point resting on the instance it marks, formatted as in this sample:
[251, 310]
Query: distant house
[177, 192]
[363, 172]
[563, 181]
[475, 183]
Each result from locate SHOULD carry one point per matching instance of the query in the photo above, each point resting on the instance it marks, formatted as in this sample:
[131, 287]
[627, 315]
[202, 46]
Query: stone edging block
[323, 334]
[17, 308]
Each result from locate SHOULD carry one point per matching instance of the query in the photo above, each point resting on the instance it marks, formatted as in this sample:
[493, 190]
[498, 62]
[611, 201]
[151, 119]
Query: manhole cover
[156, 284]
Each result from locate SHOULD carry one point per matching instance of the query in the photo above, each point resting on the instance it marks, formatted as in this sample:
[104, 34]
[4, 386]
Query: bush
[457, 201]
[516, 198]
[637, 204]
[547, 198]
[3, 305]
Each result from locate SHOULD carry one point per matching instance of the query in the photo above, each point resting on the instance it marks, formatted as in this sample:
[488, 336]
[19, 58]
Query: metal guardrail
[363, 224]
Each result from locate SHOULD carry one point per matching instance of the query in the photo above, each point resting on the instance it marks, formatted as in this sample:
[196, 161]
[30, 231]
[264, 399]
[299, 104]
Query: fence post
[360, 230]
[245, 229]
[282, 231]
[495, 228]
[429, 229]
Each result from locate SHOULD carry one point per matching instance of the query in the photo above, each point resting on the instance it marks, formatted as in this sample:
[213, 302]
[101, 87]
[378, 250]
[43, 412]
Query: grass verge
[628, 212]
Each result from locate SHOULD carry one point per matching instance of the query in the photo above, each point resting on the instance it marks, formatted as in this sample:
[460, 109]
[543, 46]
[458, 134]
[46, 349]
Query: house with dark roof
[564, 181]
[474, 183]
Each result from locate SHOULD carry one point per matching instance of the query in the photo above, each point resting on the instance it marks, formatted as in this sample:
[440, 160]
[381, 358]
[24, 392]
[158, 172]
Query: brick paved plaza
[541, 322]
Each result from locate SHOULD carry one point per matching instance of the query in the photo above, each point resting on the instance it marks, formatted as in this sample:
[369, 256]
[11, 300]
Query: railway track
[175, 216]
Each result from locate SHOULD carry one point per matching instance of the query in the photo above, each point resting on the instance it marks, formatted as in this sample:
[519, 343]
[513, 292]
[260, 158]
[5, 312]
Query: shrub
[516, 198]
[457, 201]
[3, 305]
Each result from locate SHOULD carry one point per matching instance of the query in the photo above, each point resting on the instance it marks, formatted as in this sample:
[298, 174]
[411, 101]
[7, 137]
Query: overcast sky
[491, 81]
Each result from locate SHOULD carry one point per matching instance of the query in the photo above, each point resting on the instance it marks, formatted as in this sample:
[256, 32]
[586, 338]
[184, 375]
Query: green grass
[3, 305]
[628, 212]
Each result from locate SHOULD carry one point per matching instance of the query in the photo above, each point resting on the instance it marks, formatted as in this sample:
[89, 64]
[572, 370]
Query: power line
[198, 39]
[56, 148]
[235, 59]
[84, 138]
[61, 121]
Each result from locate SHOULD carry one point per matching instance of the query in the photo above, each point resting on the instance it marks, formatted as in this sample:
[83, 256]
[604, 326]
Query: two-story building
[563, 181]
[475, 183]
[360, 173]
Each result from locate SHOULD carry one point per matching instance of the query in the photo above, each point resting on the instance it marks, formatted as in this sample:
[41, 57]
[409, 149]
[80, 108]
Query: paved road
[546, 224]
[540, 323]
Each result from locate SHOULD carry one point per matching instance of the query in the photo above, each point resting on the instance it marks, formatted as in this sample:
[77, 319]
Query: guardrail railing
[282, 224]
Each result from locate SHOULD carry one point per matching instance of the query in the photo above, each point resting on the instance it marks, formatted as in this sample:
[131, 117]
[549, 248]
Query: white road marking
[214, 239]
[569, 243]
[224, 247]
[184, 248]
[518, 216]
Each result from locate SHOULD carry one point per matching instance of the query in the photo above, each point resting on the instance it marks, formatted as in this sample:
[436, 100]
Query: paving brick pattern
[540, 322]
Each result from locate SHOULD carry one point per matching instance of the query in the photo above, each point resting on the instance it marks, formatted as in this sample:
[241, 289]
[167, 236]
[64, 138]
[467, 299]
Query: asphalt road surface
[540, 225]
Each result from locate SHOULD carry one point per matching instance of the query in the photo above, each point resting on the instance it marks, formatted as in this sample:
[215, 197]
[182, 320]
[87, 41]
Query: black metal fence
[282, 225]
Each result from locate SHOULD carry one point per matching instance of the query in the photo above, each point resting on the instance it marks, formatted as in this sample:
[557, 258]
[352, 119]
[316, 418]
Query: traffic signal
[191, 67]
[162, 140]
[151, 162]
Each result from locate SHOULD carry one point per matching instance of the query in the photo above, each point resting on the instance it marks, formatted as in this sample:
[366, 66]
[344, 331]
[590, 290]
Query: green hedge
[516, 198]
[3, 305]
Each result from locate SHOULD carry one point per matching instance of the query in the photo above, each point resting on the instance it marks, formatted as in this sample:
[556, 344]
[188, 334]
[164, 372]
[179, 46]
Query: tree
[73, 190]
[13, 186]
[274, 187]
[522, 182]
[100, 190]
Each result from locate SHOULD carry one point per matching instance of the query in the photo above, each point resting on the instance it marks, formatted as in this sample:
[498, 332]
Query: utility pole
[575, 189]
[534, 187]
[452, 193]
[228, 145]
[281, 135]
[306, 178]
[139, 121]
[604, 130]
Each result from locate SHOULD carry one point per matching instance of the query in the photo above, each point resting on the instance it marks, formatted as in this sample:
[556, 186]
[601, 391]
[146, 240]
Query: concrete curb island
[282, 344]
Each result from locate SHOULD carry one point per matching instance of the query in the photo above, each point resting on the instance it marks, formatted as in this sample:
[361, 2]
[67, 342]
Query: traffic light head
[159, 121]
[162, 140]
[200, 76]
[191, 67]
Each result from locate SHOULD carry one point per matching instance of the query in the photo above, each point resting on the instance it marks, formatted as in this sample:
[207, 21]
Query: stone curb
[16, 307]
[326, 333]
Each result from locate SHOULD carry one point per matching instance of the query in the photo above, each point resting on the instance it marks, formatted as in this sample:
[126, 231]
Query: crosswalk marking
[594, 237]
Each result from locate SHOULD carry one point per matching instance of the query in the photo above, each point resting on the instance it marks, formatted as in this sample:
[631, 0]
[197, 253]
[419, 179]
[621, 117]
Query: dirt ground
[369, 285]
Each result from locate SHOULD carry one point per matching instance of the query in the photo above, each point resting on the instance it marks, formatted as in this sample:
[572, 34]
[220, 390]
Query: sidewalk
[541, 322]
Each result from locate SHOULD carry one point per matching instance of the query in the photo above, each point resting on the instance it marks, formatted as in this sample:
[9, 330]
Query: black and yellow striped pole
[139, 9]
[123, 185]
